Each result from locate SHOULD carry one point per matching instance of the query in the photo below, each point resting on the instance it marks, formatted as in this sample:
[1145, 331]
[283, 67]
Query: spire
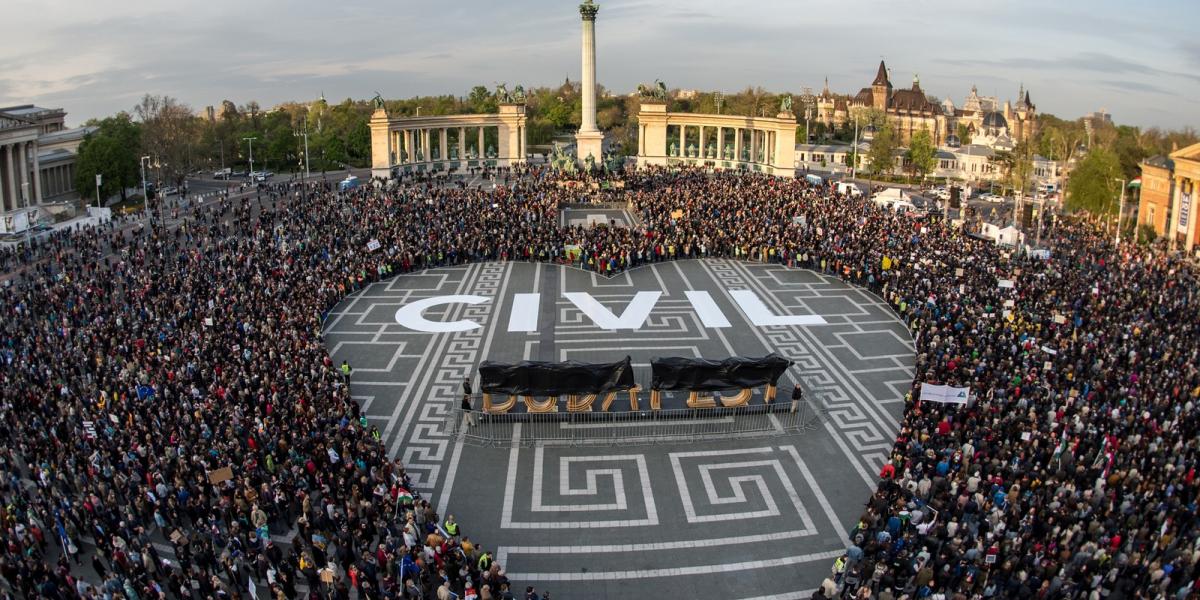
[916, 81]
[825, 90]
[881, 77]
[1028, 104]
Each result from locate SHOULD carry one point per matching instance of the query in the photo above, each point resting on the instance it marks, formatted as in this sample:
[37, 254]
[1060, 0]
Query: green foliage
[964, 134]
[880, 159]
[113, 151]
[1095, 183]
[922, 155]
[1146, 233]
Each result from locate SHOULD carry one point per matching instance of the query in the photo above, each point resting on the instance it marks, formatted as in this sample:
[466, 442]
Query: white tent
[895, 199]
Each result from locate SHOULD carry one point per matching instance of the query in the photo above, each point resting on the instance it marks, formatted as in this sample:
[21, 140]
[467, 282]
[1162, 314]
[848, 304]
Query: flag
[1137, 182]
[144, 392]
[403, 497]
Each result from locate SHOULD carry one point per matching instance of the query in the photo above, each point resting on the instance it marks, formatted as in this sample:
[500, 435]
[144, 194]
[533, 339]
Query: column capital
[588, 10]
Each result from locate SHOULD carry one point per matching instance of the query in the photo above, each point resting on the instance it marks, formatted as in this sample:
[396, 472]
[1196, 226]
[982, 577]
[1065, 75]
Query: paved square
[727, 518]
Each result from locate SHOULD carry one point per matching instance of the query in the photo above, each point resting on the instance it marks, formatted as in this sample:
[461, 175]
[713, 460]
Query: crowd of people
[173, 426]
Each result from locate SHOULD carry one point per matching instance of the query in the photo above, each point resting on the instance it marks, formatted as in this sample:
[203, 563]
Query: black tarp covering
[535, 378]
[698, 374]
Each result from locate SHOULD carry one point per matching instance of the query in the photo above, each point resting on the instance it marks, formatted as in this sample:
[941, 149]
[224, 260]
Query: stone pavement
[727, 518]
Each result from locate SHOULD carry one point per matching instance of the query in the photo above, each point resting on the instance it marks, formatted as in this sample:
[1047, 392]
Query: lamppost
[304, 134]
[145, 194]
[98, 204]
[251, 140]
[28, 225]
[1120, 209]
[854, 167]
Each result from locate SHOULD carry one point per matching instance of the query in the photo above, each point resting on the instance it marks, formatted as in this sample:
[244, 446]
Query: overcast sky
[94, 57]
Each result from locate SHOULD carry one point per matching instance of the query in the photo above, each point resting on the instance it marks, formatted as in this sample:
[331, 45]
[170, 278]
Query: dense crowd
[143, 359]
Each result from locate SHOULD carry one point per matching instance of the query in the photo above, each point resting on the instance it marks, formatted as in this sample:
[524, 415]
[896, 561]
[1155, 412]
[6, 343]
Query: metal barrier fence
[628, 427]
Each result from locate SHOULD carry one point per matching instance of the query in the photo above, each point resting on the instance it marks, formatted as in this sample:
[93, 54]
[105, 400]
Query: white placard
[373, 245]
[945, 394]
[1005, 283]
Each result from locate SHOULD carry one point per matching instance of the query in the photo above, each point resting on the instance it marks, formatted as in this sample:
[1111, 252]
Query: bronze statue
[657, 92]
[378, 100]
[785, 105]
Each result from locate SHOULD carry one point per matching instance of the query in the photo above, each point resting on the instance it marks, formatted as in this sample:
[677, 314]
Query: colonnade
[444, 142]
[18, 187]
[720, 143]
[407, 146]
[761, 144]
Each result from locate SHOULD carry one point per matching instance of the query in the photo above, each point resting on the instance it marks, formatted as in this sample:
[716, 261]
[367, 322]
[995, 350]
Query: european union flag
[145, 391]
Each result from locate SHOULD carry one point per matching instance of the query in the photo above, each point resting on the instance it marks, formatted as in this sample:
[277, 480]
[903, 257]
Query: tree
[964, 134]
[881, 159]
[1095, 183]
[922, 155]
[169, 133]
[112, 150]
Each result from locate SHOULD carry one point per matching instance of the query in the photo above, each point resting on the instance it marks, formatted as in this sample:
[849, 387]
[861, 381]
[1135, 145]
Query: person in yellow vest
[451, 527]
[346, 371]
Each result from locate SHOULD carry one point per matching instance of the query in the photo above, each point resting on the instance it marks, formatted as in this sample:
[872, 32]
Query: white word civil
[525, 309]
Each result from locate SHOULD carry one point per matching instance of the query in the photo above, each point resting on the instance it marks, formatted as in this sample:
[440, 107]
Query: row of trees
[179, 141]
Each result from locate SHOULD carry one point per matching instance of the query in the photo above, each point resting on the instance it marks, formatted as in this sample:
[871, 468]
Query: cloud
[1137, 87]
[95, 58]
[1096, 62]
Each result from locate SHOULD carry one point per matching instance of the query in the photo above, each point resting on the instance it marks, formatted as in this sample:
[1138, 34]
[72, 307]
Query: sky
[1138, 61]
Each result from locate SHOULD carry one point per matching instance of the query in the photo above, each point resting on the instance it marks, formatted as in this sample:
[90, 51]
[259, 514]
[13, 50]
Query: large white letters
[526, 308]
[710, 314]
[761, 316]
[524, 315]
[633, 317]
[410, 315]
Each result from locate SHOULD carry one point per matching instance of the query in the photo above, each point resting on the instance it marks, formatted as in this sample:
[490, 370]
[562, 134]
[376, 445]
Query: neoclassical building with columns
[762, 144]
[37, 157]
[445, 142]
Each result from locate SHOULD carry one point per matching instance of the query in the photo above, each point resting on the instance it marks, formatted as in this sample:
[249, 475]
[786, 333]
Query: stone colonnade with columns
[19, 188]
[445, 142]
[762, 144]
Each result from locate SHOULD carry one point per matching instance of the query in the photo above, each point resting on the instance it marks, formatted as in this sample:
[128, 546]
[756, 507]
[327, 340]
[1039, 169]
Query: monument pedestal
[589, 143]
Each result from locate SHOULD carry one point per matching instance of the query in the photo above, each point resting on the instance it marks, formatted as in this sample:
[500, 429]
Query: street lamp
[1120, 209]
[304, 134]
[145, 194]
[251, 140]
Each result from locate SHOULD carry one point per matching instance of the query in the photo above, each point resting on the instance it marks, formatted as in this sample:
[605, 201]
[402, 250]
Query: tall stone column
[720, 143]
[36, 198]
[479, 150]
[462, 143]
[10, 164]
[6, 180]
[443, 145]
[590, 140]
[22, 178]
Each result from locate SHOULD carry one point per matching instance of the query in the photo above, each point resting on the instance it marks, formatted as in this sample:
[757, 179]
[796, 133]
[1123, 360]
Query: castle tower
[881, 88]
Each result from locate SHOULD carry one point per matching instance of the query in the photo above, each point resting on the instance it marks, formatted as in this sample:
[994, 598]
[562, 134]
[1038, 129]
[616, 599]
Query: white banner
[1185, 209]
[945, 394]
[373, 245]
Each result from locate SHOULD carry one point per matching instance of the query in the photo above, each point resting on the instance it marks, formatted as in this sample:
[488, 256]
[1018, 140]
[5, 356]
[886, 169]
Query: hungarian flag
[403, 497]
[1137, 182]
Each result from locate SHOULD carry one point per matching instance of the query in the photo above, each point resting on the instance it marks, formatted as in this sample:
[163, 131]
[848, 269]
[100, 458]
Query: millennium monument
[589, 142]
